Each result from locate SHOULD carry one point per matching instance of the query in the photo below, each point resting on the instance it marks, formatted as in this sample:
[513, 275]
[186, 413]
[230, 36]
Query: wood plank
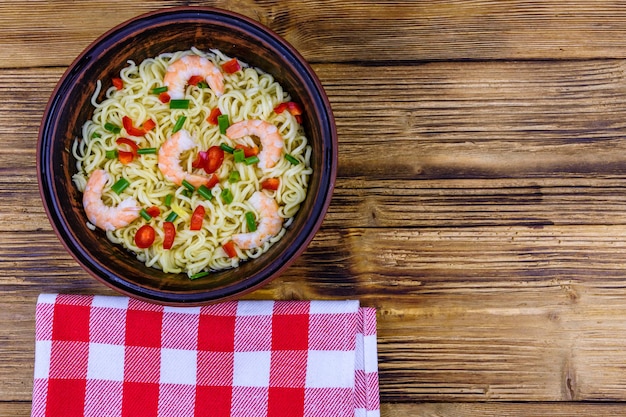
[502, 409]
[346, 31]
[515, 314]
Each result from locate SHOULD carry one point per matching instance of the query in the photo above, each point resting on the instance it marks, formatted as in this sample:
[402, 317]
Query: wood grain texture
[333, 31]
[479, 204]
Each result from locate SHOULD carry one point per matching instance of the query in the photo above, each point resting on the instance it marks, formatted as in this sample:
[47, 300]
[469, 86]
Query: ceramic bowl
[147, 36]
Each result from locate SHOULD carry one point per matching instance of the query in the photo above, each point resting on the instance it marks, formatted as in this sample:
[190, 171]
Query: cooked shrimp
[169, 159]
[101, 215]
[272, 142]
[180, 71]
[269, 225]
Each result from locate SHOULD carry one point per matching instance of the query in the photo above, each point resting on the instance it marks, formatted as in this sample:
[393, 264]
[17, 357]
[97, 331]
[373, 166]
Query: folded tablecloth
[103, 356]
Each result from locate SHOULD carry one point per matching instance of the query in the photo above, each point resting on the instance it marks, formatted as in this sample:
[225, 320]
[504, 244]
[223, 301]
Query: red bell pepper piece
[231, 66]
[118, 83]
[164, 98]
[294, 108]
[197, 218]
[270, 184]
[137, 131]
[229, 248]
[213, 116]
[169, 233]
[248, 151]
[145, 236]
[126, 157]
[212, 181]
[280, 107]
[153, 211]
[195, 79]
[148, 125]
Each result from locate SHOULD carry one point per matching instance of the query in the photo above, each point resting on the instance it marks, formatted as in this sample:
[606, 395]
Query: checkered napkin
[102, 356]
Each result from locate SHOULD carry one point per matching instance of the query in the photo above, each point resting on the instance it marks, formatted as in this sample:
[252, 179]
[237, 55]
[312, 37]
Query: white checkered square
[255, 308]
[42, 358]
[178, 366]
[330, 369]
[370, 351]
[110, 302]
[251, 369]
[105, 362]
[333, 307]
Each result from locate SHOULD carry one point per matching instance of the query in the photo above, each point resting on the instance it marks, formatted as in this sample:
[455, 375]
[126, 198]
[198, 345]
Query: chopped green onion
[179, 104]
[168, 199]
[120, 185]
[179, 124]
[251, 221]
[171, 217]
[146, 151]
[145, 214]
[291, 159]
[202, 84]
[200, 274]
[239, 155]
[95, 135]
[189, 186]
[112, 128]
[223, 123]
[227, 196]
[227, 148]
[234, 177]
[112, 154]
[251, 160]
[205, 192]
[187, 193]
[159, 90]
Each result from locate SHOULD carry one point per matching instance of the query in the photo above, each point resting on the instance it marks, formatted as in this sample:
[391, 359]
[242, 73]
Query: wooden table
[480, 203]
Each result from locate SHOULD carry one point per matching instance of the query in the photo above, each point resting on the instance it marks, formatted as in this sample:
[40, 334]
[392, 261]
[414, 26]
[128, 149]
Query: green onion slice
[112, 128]
[171, 217]
[291, 159]
[168, 199]
[251, 160]
[179, 104]
[145, 214]
[205, 192]
[202, 84]
[159, 90]
[227, 196]
[199, 275]
[179, 124]
[120, 185]
[227, 148]
[112, 154]
[239, 155]
[234, 177]
[189, 186]
[223, 123]
[146, 151]
[250, 221]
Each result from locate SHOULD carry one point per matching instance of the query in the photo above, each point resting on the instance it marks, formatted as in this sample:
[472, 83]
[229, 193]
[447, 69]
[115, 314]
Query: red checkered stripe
[116, 356]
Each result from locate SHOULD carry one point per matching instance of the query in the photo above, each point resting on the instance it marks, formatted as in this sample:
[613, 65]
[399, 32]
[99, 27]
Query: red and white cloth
[103, 356]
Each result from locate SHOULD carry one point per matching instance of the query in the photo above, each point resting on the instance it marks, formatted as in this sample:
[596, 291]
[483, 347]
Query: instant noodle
[193, 161]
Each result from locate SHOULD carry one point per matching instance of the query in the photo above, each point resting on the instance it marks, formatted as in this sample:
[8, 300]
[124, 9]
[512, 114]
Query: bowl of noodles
[187, 156]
